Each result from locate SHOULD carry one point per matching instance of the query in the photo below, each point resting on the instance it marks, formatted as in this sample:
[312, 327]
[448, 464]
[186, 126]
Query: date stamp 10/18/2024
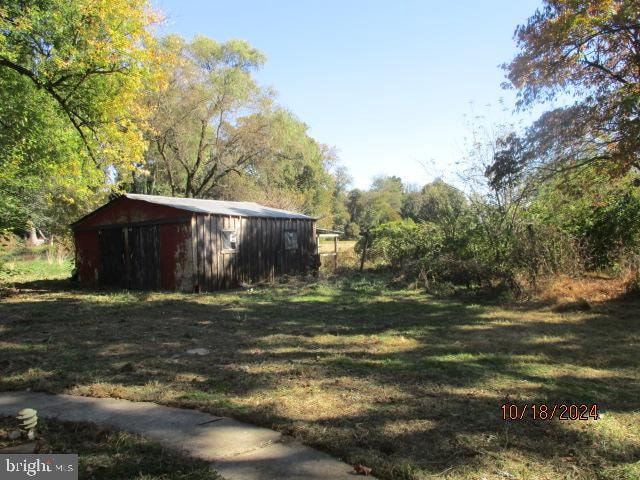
[550, 411]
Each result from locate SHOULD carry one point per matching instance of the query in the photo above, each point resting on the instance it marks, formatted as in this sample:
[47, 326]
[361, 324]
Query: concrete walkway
[236, 450]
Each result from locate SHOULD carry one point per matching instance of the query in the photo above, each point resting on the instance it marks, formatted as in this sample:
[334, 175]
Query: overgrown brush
[508, 263]
[57, 254]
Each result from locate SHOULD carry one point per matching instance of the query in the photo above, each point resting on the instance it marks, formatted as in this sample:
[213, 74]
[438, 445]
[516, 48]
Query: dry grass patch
[592, 288]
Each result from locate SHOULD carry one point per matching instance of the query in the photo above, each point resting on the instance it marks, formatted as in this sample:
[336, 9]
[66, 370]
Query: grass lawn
[407, 384]
[106, 454]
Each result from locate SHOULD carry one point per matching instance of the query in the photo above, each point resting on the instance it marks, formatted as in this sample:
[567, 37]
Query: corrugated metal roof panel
[218, 207]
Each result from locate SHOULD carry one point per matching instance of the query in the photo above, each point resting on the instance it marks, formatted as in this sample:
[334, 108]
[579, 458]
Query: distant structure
[151, 242]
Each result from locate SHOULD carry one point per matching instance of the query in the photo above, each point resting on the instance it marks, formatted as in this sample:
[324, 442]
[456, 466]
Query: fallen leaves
[362, 470]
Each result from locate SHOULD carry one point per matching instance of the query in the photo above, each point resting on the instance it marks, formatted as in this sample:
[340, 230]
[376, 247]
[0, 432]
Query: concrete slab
[12, 402]
[237, 450]
[226, 438]
[290, 460]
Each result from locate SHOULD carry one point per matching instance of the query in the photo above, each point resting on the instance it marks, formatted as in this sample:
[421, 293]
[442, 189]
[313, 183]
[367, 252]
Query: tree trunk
[33, 236]
[364, 250]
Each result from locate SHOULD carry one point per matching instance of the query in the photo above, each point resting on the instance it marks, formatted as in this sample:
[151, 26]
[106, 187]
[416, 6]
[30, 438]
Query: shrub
[403, 243]
[499, 258]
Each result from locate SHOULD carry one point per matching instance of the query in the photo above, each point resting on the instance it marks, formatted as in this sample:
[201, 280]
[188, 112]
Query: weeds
[57, 254]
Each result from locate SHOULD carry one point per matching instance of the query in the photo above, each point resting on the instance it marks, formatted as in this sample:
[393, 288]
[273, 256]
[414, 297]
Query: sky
[387, 83]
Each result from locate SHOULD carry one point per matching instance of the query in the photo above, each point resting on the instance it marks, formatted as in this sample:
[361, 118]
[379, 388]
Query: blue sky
[387, 83]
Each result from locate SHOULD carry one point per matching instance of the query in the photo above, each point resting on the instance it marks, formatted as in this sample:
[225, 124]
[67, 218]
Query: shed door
[112, 264]
[143, 257]
[130, 257]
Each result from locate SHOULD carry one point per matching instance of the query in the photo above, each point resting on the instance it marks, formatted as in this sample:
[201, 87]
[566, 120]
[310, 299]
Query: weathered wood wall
[130, 257]
[260, 254]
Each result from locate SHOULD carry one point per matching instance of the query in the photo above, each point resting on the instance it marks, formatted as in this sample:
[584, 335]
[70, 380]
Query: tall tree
[382, 203]
[211, 118]
[588, 49]
[70, 74]
[392, 191]
[339, 211]
[215, 133]
[444, 205]
[292, 173]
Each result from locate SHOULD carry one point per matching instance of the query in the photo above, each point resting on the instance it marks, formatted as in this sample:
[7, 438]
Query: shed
[152, 242]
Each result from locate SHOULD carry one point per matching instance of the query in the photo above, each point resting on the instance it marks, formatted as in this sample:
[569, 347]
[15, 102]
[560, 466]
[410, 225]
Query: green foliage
[217, 134]
[341, 220]
[440, 203]
[208, 119]
[46, 177]
[422, 253]
[381, 204]
[295, 168]
[486, 241]
[395, 242]
[351, 231]
[69, 74]
[601, 212]
[88, 59]
[615, 228]
[294, 174]
[390, 190]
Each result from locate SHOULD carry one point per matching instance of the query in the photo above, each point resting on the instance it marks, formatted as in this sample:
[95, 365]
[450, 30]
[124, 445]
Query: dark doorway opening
[130, 257]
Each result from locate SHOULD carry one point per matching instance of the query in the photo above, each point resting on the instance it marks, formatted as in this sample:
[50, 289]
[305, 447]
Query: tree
[215, 133]
[391, 190]
[496, 200]
[411, 205]
[603, 217]
[590, 50]
[444, 205]
[45, 172]
[46, 177]
[70, 73]
[339, 211]
[211, 119]
[379, 205]
[89, 59]
[293, 173]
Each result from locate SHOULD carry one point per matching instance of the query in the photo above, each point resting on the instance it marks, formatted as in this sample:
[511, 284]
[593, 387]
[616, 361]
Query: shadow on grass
[390, 378]
[105, 453]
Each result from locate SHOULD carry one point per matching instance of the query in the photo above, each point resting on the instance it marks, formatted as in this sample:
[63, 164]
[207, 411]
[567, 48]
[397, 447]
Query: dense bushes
[421, 252]
[506, 259]
[402, 243]
[514, 229]
[598, 210]
[486, 245]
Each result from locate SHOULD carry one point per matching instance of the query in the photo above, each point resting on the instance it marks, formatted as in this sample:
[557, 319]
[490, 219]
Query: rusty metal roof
[218, 207]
